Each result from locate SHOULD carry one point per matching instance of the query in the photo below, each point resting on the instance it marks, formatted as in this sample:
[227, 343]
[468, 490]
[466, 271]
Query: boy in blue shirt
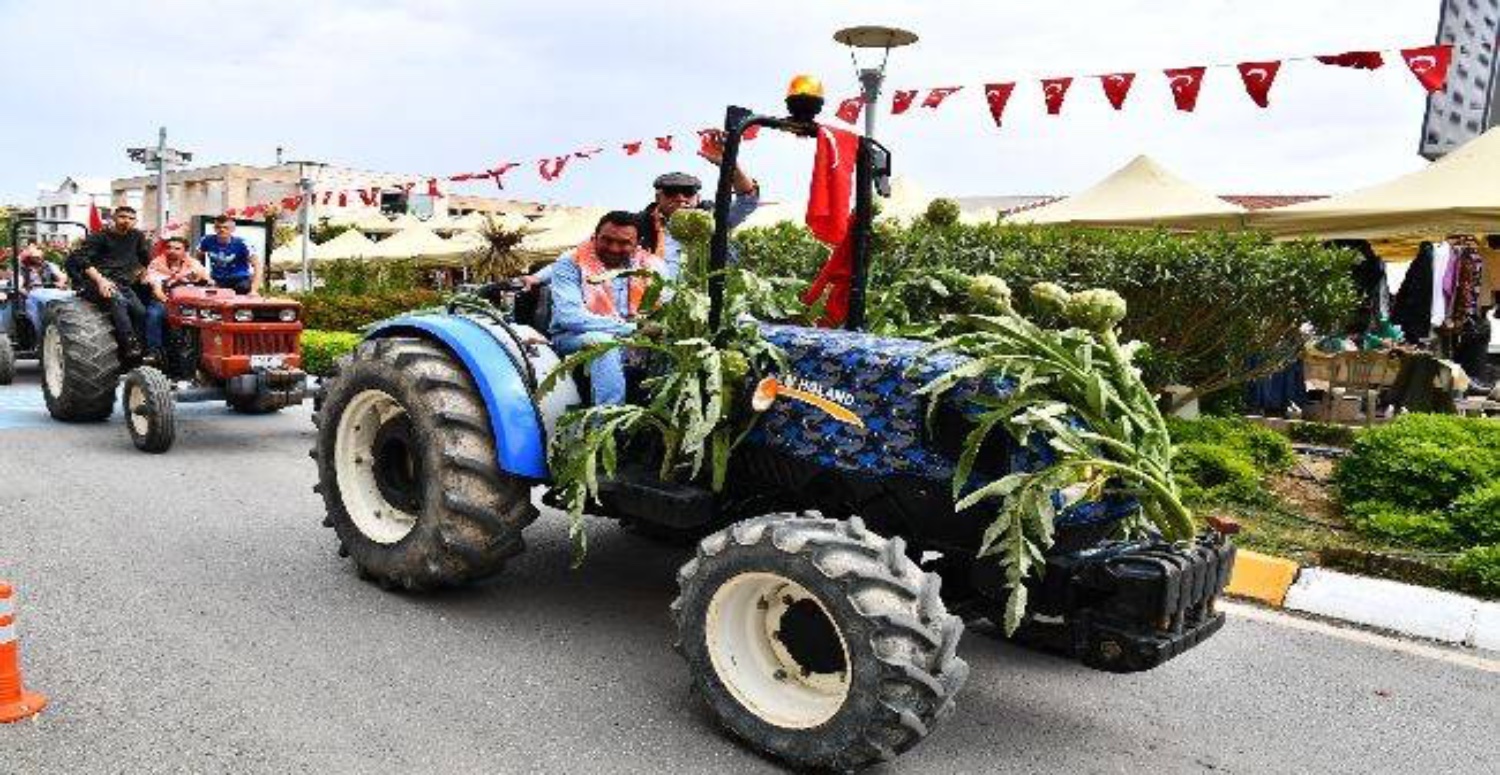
[229, 259]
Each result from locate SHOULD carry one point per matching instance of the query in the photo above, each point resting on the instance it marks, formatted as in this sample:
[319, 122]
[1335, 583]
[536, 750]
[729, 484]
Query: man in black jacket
[107, 269]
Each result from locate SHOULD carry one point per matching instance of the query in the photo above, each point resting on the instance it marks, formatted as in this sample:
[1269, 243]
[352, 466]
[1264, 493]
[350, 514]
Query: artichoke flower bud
[1097, 309]
[989, 293]
[691, 227]
[1050, 299]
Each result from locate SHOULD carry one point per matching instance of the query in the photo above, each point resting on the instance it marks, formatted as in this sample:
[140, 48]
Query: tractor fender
[520, 440]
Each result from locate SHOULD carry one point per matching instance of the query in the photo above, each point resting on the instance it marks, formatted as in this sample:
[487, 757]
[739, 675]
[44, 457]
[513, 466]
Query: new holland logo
[835, 402]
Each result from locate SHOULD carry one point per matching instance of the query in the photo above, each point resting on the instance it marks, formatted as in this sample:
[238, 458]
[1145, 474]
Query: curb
[1446, 617]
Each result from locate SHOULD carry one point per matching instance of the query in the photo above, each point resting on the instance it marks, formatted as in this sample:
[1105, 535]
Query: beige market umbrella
[1459, 193]
[417, 243]
[349, 244]
[1142, 194]
[373, 222]
[289, 256]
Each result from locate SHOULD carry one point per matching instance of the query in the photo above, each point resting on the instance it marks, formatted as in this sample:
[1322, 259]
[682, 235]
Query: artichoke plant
[1078, 390]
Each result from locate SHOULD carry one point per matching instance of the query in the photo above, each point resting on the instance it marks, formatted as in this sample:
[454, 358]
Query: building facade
[70, 201]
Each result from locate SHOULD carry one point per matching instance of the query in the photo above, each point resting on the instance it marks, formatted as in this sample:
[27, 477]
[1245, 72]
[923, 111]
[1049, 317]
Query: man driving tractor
[592, 305]
[39, 282]
[232, 262]
[108, 268]
[172, 268]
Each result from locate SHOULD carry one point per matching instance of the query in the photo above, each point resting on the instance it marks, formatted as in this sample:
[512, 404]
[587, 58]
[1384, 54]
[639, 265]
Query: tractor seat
[533, 308]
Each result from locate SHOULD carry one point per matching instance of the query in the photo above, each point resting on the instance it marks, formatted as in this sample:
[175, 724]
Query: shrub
[1215, 473]
[326, 311]
[1267, 449]
[1321, 433]
[1478, 570]
[356, 276]
[1476, 514]
[1423, 462]
[321, 348]
[1402, 526]
[941, 212]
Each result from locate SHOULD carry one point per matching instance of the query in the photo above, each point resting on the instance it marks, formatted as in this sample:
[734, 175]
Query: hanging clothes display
[1412, 310]
[1467, 328]
[1442, 282]
[1375, 292]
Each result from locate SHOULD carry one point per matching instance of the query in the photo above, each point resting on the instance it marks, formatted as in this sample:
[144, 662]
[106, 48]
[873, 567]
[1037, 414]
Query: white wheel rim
[754, 664]
[52, 361]
[135, 399]
[354, 463]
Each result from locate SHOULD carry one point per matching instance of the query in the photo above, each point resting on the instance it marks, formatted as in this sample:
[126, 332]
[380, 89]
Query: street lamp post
[304, 219]
[871, 78]
[160, 158]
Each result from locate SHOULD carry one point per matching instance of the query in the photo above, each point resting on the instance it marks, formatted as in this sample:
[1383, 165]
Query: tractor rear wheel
[7, 360]
[408, 473]
[80, 362]
[150, 410]
[817, 641]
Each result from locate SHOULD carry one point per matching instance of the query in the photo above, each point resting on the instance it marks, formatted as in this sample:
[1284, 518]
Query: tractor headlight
[243, 316]
[209, 314]
[187, 312]
[288, 315]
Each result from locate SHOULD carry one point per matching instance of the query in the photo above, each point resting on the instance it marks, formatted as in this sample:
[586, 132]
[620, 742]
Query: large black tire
[894, 678]
[407, 470]
[7, 360]
[80, 362]
[150, 410]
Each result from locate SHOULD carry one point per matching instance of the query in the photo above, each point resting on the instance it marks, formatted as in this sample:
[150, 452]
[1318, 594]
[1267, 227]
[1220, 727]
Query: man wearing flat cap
[674, 191]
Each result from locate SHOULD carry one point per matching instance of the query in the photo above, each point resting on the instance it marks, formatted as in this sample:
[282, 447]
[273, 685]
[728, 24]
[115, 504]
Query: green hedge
[1478, 570]
[1214, 473]
[1215, 308]
[326, 311]
[1267, 449]
[321, 348]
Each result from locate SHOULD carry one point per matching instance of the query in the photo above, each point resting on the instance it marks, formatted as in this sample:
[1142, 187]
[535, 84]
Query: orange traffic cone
[15, 702]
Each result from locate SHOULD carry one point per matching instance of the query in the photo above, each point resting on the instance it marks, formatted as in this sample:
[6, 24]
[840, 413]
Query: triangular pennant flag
[1429, 64]
[997, 95]
[1185, 83]
[1359, 60]
[462, 177]
[711, 140]
[664, 143]
[432, 187]
[902, 100]
[633, 147]
[343, 199]
[588, 153]
[750, 133]
[367, 198]
[550, 169]
[849, 109]
[1117, 88]
[1258, 77]
[936, 96]
[1054, 91]
[407, 187]
[233, 211]
[504, 167]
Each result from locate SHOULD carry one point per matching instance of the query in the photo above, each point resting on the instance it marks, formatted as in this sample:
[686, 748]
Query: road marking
[1364, 637]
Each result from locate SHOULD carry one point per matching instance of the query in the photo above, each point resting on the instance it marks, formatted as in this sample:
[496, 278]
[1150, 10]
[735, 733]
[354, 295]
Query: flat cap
[677, 180]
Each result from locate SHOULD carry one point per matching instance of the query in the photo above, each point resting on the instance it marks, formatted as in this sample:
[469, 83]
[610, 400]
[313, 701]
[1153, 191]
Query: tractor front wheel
[408, 471]
[150, 410]
[817, 641]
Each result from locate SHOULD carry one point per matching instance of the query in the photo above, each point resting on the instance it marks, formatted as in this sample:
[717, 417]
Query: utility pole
[304, 218]
[160, 158]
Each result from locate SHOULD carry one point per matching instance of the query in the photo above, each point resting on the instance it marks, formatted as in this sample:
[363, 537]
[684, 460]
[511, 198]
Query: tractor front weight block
[272, 387]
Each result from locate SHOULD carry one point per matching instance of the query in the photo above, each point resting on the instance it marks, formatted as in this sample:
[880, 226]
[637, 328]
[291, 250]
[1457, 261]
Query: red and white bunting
[936, 96]
[997, 95]
[551, 169]
[1357, 60]
[849, 110]
[1429, 64]
[664, 143]
[1185, 83]
[1258, 78]
[1054, 91]
[633, 147]
[902, 100]
[1117, 88]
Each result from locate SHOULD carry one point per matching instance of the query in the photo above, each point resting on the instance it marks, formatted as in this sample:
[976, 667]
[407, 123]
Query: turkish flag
[432, 187]
[588, 153]
[710, 140]
[96, 222]
[1117, 87]
[750, 133]
[550, 169]
[828, 220]
[343, 199]
[1055, 90]
[849, 109]
[1258, 77]
[632, 148]
[1185, 83]
[231, 212]
[1359, 60]
[1429, 64]
[366, 198]
[997, 95]
[664, 143]
[936, 96]
[902, 100]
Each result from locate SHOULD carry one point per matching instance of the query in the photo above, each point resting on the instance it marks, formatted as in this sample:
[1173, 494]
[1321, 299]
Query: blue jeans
[156, 326]
[606, 373]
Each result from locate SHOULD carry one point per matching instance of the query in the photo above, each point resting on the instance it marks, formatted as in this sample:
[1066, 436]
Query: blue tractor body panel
[520, 440]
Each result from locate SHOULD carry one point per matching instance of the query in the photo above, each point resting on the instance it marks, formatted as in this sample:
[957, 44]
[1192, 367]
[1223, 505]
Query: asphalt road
[188, 613]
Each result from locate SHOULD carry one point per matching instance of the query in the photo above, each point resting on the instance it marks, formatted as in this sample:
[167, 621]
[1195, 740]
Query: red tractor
[244, 350]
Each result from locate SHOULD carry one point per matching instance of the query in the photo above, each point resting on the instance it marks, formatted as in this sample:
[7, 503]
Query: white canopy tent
[1142, 194]
[349, 244]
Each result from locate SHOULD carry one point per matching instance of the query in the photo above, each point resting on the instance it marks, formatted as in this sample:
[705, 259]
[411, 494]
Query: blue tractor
[822, 610]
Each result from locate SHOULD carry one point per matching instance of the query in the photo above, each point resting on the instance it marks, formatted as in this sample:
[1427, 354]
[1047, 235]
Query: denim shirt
[570, 315]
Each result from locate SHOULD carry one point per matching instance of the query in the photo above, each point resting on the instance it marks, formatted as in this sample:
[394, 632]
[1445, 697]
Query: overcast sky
[445, 86]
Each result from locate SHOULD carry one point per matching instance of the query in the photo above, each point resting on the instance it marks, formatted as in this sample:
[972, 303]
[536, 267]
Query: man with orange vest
[591, 305]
